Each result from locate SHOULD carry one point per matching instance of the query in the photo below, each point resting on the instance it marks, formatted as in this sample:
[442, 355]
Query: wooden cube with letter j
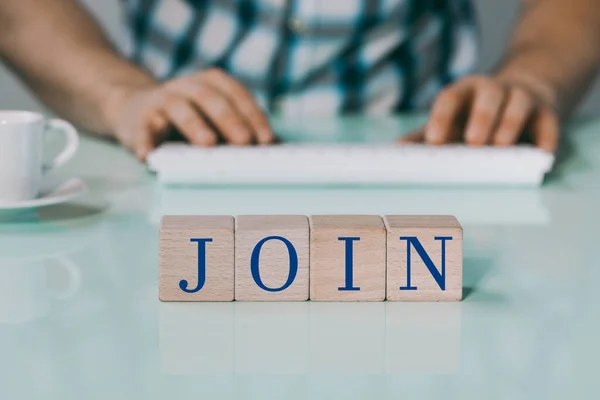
[424, 258]
[196, 258]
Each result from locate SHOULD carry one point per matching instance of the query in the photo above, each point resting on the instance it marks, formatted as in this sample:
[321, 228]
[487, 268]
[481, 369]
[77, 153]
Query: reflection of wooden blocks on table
[347, 258]
[271, 258]
[422, 338]
[197, 339]
[348, 339]
[196, 258]
[424, 258]
[271, 340]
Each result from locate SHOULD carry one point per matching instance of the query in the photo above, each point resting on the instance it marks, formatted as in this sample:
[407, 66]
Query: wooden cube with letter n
[347, 258]
[196, 258]
[424, 258]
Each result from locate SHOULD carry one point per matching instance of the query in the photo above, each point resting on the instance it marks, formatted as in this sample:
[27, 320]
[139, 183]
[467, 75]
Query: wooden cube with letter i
[347, 258]
[424, 258]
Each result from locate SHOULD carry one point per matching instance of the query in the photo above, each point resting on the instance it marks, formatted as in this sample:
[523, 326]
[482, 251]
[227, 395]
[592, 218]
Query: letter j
[183, 284]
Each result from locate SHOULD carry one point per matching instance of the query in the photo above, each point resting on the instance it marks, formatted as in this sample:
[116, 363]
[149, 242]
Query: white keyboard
[397, 164]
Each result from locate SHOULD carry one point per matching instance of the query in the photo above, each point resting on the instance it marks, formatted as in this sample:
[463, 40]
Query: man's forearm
[61, 53]
[555, 49]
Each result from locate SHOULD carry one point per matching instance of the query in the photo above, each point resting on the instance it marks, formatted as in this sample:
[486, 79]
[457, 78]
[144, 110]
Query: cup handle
[74, 275]
[72, 142]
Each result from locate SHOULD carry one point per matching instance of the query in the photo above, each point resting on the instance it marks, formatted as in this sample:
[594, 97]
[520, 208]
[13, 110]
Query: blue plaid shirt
[311, 56]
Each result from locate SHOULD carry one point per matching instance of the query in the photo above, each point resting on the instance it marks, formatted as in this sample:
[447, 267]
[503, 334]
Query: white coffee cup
[22, 143]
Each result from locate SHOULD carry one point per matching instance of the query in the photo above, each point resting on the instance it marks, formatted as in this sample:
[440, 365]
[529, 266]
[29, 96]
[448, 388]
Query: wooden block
[424, 258]
[271, 258]
[196, 258]
[347, 258]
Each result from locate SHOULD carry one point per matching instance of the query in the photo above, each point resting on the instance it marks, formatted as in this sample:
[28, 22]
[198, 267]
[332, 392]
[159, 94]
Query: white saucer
[52, 192]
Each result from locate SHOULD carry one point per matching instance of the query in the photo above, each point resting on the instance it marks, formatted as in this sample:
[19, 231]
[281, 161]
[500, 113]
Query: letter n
[439, 276]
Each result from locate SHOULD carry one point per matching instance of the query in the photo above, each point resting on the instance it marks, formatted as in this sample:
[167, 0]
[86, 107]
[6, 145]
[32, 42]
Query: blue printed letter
[440, 278]
[183, 284]
[293, 264]
[349, 284]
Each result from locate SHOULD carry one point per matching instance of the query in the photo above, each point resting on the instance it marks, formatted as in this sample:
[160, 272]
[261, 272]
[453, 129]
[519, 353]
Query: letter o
[293, 264]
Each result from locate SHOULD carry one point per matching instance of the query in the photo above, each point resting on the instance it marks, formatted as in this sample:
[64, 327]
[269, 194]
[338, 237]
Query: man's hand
[203, 107]
[482, 110]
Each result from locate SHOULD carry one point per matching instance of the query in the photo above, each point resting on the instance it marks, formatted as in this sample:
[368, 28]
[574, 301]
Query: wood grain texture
[425, 228]
[178, 257]
[328, 257]
[274, 259]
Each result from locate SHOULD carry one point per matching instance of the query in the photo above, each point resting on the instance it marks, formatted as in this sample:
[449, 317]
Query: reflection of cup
[27, 287]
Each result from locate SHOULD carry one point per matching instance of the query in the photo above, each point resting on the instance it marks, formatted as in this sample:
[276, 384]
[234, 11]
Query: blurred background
[495, 18]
